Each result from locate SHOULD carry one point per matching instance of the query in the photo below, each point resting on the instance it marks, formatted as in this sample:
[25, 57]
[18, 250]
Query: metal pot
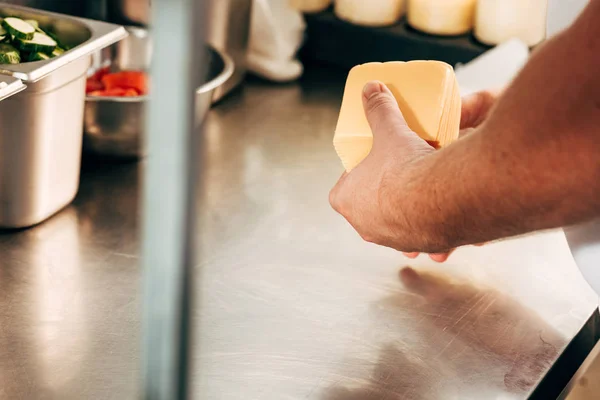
[115, 126]
[41, 120]
[228, 30]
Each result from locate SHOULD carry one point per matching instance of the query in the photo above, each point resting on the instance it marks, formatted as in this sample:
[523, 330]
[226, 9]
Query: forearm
[534, 164]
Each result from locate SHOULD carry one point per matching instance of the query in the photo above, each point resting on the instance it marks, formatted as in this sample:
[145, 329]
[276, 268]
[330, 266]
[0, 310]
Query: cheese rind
[427, 95]
[371, 12]
[497, 22]
[310, 6]
[442, 17]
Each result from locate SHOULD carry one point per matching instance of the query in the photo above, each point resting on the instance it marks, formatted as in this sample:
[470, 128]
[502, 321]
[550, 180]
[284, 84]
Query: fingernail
[439, 257]
[372, 88]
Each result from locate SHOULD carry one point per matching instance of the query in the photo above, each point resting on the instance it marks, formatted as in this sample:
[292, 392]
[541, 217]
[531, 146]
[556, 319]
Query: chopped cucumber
[40, 42]
[19, 28]
[37, 56]
[55, 38]
[34, 23]
[22, 40]
[57, 52]
[8, 54]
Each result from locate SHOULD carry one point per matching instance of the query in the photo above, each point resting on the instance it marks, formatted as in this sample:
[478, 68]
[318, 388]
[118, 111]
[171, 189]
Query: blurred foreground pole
[169, 187]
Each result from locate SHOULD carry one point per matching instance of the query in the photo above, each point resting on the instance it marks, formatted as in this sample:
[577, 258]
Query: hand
[362, 196]
[475, 109]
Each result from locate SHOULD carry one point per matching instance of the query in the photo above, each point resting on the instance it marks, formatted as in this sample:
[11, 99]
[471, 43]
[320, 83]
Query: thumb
[384, 115]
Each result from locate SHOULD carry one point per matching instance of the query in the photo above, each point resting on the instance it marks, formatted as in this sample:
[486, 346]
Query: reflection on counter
[69, 291]
[465, 326]
[490, 321]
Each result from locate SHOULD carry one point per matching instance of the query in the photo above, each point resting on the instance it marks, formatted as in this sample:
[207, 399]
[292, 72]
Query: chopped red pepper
[126, 80]
[100, 73]
[115, 92]
[93, 85]
[131, 93]
[124, 83]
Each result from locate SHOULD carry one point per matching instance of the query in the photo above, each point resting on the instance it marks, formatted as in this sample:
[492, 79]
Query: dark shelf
[333, 41]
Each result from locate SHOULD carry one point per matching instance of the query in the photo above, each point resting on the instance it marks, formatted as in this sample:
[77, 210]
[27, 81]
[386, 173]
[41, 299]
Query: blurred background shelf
[330, 40]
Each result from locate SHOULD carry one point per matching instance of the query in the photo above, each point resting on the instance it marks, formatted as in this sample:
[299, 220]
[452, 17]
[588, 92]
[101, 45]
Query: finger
[442, 257]
[476, 106]
[383, 113]
[333, 193]
[411, 255]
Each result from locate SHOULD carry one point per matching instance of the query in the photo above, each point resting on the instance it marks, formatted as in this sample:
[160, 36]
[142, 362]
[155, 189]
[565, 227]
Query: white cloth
[584, 240]
[276, 34]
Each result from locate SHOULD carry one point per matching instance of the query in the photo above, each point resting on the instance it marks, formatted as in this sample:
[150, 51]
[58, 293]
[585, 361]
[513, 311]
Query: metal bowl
[114, 126]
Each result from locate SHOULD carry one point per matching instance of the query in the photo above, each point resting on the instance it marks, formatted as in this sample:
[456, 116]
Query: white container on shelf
[498, 21]
[442, 17]
[310, 6]
[371, 12]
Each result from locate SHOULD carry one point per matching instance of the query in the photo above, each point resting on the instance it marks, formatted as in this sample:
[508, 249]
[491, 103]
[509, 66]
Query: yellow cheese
[371, 12]
[310, 6]
[500, 21]
[442, 17]
[428, 96]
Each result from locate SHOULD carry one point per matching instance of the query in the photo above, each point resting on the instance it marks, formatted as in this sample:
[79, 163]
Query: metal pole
[169, 191]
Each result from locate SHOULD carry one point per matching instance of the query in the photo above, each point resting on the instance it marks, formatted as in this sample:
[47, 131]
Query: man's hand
[532, 165]
[475, 108]
[395, 149]
[360, 196]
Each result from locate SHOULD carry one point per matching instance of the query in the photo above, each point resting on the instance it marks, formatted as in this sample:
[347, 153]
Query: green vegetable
[57, 52]
[22, 40]
[39, 43]
[8, 54]
[18, 28]
[33, 23]
[38, 57]
[55, 38]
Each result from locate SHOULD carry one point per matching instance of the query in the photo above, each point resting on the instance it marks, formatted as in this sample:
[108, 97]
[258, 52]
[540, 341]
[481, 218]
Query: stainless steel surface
[585, 385]
[10, 86]
[169, 203]
[291, 303]
[133, 52]
[114, 126]
[40, 146]
[41, 134]
[228, 30]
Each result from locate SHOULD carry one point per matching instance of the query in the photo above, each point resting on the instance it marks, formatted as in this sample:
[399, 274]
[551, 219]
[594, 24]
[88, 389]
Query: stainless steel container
[228, 30]
[41, 119]
[115, 126]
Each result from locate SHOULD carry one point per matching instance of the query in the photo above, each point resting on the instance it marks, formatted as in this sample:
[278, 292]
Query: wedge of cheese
[428, 96]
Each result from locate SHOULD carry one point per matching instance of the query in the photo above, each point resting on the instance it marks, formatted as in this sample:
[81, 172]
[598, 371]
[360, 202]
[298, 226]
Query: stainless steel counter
[292, 304]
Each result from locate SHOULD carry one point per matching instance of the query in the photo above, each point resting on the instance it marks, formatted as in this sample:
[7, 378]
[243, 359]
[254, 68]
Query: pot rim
[211, 85]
